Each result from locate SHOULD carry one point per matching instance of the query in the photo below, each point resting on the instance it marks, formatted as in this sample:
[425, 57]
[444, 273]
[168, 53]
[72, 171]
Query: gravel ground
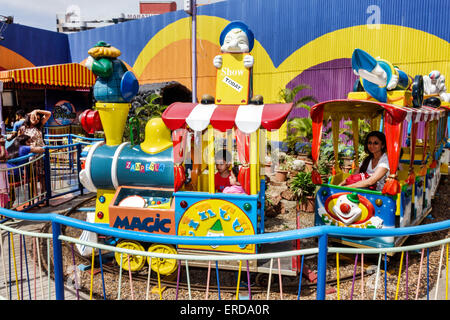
[348, 289]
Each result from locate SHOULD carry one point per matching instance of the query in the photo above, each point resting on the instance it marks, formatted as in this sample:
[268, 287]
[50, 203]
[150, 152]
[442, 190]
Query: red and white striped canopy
[247, 118]
[424, 113]
[346, 107]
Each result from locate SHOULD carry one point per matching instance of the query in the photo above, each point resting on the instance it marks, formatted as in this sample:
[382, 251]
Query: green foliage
[285, 162]
[326, 148]
[299, 129]
[287, 95]
[364, 128]
[151, 109]
[302, 185]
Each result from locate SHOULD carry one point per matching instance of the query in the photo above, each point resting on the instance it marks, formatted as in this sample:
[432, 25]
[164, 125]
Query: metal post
[57, 261]
[194, 51]
[2, 123]
[48, 176]
[322, 266]
[80, 185]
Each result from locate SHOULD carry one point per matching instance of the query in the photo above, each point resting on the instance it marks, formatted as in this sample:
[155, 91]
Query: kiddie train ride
[391, 102]
[161, 185]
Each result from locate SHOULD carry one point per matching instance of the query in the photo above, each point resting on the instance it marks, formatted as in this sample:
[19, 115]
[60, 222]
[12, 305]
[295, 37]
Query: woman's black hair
[21, 113]
[235, 170]
[13, 149]
[27, 123]
[382, 138]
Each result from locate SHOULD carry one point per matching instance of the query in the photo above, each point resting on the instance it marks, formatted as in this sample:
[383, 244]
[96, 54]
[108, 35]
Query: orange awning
[66, 75]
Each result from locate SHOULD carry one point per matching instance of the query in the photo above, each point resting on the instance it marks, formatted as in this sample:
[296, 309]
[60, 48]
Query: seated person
[235, 185]
[222, 176]
[19, 148]
[376, 164]
[20, 119]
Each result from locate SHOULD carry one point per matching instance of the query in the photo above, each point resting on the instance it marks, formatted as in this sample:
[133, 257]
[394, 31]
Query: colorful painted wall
[25, 47]
[306, 41]
[295, 42]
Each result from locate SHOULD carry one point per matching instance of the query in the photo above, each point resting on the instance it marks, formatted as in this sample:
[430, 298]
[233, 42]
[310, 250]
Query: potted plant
[284, 164]
[299, 130]
[304, 188]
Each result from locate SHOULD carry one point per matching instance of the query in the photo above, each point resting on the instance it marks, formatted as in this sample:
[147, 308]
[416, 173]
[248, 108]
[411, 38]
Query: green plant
[287, 95]
[364, 128]
[285, 162]
[299, 129]
[143, 113]
[324, 168]
[302, 185]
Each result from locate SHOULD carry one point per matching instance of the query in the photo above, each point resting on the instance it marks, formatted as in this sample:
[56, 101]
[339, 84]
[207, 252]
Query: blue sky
[42, 14]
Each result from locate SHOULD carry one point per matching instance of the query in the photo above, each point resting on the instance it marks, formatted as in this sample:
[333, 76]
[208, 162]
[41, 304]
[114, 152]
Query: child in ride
[222, 176]
[235, 185]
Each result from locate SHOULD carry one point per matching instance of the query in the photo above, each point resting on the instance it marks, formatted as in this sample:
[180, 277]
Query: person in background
[20, 119]
[21, 147]
[235, 185]
[222, 176]
[4, 183]
[32, 126]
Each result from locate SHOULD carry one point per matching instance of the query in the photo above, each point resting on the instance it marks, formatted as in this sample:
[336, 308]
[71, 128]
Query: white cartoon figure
[434, 83]
[236, 37]
[234, 80]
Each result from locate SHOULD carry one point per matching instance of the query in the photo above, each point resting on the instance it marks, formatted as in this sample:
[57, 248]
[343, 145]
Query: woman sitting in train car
[374, 169]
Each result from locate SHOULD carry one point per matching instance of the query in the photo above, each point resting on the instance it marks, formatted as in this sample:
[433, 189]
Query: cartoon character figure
[234, 67]
[347, 208]
[434, 84]
[114, 83]
[236, 38]
[377, 76]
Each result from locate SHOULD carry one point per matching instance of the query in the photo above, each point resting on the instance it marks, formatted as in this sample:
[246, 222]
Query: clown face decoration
[347, 208]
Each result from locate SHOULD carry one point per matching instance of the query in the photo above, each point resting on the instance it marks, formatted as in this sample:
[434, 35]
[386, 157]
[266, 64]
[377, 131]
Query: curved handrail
[63, 135]
[231, 240]
[19, 159]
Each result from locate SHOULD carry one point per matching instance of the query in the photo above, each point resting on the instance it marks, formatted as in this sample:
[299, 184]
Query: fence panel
[66, 268]
[26, 181]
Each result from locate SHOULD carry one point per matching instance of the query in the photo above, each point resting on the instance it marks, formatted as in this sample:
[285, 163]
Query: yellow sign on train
[233, 80]
[216, 218]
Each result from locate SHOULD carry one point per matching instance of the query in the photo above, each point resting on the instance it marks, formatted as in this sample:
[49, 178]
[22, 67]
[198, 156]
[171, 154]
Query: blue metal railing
[49, 169]
[321, 232]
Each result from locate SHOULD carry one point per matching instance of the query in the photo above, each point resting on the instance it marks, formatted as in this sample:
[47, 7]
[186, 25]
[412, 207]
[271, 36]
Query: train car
[405, 199]
[165, 184]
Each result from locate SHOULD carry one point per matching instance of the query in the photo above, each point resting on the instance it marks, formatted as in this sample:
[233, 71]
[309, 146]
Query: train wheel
[262, 279]
[163, 265]
[135, 262]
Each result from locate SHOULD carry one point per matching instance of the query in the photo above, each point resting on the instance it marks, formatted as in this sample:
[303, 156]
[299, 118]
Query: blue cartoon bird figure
[115, 83]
